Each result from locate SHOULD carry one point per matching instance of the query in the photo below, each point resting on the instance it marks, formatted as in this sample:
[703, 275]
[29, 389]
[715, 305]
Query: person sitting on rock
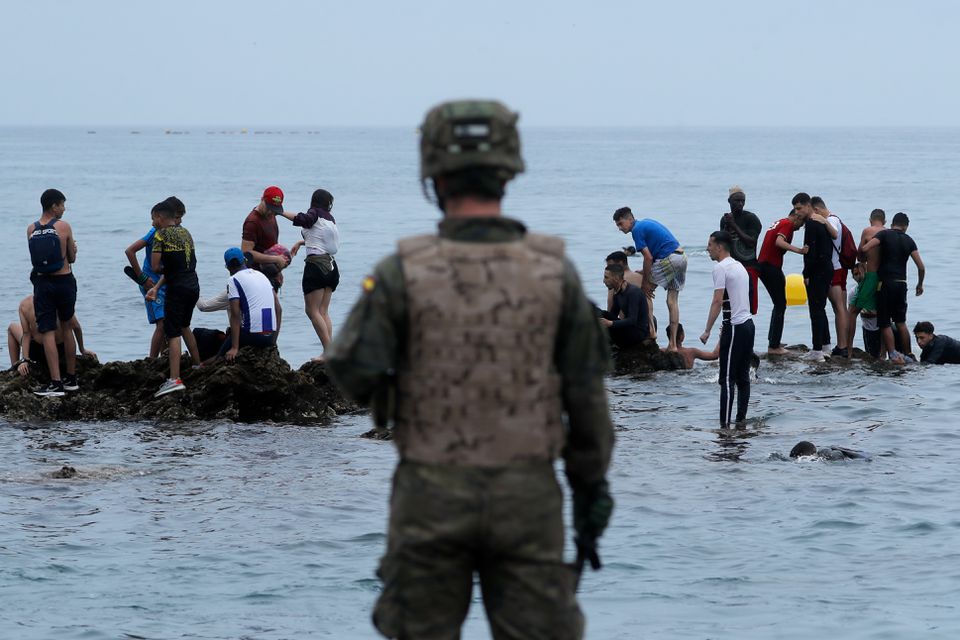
[636, 279]
[632, 328]
[253, 306]
[23, 340]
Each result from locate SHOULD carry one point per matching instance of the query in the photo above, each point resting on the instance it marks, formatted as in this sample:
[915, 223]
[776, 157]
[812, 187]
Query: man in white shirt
[253, 307]
[731, 294]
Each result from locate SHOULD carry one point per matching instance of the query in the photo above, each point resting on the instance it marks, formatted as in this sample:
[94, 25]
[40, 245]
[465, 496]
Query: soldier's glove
[592, 508]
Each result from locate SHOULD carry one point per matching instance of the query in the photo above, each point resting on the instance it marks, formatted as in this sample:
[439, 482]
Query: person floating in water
[805, 449]
[936, 349]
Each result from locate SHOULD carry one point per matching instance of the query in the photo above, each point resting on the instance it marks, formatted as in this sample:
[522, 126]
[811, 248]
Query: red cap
[273, 199]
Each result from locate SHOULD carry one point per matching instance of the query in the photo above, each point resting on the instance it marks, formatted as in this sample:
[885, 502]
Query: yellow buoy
[796, 291]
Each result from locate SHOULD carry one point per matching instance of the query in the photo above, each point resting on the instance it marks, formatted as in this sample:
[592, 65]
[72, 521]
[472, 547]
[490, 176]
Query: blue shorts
[155, 308]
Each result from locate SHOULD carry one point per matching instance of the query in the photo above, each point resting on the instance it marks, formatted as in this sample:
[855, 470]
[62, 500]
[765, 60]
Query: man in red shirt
[776, 243]
[260, 232]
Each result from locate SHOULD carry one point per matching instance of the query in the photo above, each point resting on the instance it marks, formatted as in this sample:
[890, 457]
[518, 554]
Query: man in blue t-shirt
[664, 262]
[146, 277]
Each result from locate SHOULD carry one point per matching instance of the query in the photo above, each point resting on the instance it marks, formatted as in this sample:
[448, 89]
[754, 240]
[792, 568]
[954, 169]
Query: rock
[645, 358]
[64, 472]
[259, 386]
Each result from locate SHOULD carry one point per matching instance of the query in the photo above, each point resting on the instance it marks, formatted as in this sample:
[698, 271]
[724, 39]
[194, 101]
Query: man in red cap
[260, 233]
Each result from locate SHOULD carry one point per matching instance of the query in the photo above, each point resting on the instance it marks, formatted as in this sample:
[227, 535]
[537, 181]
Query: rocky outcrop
[645, 358]
[259, 386]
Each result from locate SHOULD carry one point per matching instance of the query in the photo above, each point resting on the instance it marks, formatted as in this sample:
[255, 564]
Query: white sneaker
[169, 387]
[814, 356]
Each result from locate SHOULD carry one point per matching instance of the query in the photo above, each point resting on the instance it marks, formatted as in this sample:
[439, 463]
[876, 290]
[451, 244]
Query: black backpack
[45, 252]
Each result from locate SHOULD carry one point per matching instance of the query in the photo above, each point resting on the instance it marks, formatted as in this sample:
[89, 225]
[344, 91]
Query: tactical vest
[46, 254]
[478, 385]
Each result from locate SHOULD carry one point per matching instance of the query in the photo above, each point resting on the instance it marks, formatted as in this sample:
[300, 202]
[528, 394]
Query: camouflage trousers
[449, 523]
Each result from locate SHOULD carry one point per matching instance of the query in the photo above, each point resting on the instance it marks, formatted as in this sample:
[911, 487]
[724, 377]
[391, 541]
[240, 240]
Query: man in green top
[473, 342]
[745, 228]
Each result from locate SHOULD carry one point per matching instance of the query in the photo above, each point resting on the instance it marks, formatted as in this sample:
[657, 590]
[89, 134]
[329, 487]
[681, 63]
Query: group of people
[744, 259]
[49, 330]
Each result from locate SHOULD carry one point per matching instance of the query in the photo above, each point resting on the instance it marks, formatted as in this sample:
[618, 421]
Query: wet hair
[879, 215]
[51, 197]
[817, 201]
[616, 269]
[924, 327]
[803, 448]
[901, 220]
[621, 213]
[164, 209]
[680, 332]
[178, 207]
[722, 238]
[617, 256]
[800, 198]
[485, 183]
[322, 199]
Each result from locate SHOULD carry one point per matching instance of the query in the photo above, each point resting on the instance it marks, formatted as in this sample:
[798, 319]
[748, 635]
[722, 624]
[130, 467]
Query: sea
[271, 531]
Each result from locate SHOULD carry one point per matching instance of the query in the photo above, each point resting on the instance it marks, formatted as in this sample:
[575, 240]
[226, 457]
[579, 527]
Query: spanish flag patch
[369, 284]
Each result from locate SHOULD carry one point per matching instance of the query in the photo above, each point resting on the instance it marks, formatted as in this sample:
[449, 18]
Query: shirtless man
[866, 298]
[690, 354]
[636, 279]
[25, 340]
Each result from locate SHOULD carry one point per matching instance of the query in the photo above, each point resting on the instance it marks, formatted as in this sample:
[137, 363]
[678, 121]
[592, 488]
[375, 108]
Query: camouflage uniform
[479, 339]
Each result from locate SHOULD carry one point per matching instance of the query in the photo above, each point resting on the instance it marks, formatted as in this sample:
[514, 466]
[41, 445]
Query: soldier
[474, 341]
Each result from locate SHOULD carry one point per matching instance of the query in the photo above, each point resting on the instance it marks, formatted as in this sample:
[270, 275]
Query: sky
[383, 63]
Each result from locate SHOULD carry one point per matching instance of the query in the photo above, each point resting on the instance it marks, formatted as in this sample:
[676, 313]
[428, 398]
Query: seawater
[219, 530]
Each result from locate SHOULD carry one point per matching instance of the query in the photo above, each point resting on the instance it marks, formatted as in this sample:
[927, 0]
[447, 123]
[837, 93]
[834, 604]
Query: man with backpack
[52, 252]
[837, 294]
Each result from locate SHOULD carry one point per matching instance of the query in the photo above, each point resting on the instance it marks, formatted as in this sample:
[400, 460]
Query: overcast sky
[600, 63]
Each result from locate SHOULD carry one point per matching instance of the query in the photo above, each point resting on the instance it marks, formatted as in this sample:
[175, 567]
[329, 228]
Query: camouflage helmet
[470, 133]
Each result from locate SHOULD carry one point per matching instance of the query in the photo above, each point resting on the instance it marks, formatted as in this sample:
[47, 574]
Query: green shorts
[866, 299]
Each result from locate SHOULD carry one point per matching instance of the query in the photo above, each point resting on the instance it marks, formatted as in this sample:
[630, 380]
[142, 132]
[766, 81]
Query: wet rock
[64, 472]
[259, 386]
[378, 433]
[645, 358]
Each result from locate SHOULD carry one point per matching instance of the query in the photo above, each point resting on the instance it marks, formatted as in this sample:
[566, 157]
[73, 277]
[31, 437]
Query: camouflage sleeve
[582, 359]
[364, 354]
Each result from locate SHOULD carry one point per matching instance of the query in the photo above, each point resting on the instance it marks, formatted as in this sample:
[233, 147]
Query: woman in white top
[320, 273]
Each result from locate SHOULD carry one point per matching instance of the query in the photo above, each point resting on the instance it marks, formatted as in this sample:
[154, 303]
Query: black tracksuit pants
[776, 285]
[736, 351]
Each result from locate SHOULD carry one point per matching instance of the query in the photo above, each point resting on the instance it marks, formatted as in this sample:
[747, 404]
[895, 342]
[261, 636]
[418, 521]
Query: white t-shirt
[834, 222]
[255, 294]
[322, 237]
[730, 275]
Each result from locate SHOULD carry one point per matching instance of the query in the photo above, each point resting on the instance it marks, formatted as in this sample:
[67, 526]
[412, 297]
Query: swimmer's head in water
[803, 448]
